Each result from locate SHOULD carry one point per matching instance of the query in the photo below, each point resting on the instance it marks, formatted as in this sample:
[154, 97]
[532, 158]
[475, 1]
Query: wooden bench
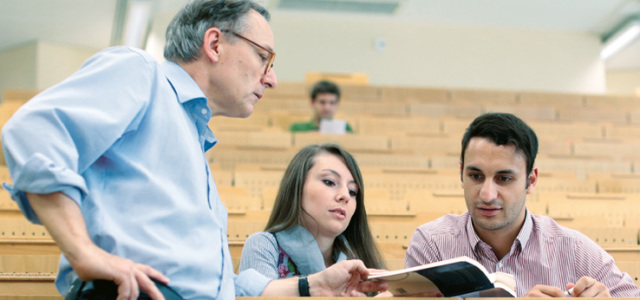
[29, 284]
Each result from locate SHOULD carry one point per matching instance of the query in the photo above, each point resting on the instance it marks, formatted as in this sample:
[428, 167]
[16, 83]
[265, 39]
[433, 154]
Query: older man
[111, 161]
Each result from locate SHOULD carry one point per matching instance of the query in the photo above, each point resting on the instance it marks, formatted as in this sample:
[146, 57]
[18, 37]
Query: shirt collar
[522, 237]
[525, 231]
[183, 84]
[474, 239]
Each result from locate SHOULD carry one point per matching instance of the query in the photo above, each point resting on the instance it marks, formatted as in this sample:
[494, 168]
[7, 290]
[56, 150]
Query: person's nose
[328, 107]
[488, 191]
[270, 80]
[343, 195]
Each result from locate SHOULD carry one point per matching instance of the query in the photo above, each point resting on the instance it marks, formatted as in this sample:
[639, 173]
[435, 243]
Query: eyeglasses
[269, 59]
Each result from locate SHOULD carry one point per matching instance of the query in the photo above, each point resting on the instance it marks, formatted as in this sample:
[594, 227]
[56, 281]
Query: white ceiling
[89, 23]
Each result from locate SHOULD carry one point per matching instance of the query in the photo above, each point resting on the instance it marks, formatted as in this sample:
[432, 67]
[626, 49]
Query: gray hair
[185, 33]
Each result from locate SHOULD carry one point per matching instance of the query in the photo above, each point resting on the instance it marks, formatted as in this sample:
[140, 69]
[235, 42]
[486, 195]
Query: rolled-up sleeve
[41, 176]
[53, 138]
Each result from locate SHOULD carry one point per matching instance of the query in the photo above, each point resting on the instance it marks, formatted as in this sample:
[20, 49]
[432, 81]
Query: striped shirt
[542, 253]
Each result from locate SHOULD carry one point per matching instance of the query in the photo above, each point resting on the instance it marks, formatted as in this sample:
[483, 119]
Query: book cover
[457, 277]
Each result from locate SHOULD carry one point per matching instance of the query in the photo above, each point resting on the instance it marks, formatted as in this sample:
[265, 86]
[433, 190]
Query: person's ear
[211, 44]
[532, 180]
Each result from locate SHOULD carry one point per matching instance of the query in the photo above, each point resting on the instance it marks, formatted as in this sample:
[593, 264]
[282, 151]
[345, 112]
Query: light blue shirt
[125, 138]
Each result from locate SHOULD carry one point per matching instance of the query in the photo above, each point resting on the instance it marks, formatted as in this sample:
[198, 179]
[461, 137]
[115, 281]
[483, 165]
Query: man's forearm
[62, 217]
[64, 221]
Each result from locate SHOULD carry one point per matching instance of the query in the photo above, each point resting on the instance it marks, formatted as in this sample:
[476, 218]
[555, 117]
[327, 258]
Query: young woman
[318, 218]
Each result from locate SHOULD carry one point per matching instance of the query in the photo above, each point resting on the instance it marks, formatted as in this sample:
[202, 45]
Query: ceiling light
[137, 23]
[380, 7]
[620, 39]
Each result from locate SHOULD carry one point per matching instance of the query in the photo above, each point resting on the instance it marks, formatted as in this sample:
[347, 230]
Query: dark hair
[325, 86]
[185, 33]
[287, 209]
[503, 129]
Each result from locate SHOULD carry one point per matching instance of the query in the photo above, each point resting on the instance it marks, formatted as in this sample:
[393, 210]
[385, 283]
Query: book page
[505, 279]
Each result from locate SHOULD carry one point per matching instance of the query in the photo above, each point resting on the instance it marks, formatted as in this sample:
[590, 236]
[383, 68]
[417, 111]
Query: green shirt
[310, 126]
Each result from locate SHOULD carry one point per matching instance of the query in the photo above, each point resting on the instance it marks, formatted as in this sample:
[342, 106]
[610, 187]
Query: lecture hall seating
[407, 143]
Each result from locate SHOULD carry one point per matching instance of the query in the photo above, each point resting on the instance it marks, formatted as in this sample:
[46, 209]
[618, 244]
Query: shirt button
[204, 111]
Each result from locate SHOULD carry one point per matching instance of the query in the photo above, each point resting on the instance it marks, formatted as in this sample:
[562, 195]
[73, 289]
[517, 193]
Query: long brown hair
[287, 209]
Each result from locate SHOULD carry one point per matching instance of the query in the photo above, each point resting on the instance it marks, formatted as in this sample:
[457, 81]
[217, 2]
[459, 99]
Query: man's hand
[585, 287]
[344, 279]
[588, 287]
[545, 291]
[130, 277]
[64, 221]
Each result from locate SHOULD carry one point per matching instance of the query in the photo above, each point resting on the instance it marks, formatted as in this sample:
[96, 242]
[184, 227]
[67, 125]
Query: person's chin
[480, 217]
[489, 224]
[245, 113]
[337, 230]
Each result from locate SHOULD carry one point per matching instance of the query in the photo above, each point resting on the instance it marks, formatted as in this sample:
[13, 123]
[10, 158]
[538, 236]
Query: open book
[456, 277]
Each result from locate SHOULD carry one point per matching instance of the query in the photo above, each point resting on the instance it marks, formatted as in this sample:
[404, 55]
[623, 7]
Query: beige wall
[440, 55]
[624, 82]
[39, 65]
[56, 62]
[18, 67]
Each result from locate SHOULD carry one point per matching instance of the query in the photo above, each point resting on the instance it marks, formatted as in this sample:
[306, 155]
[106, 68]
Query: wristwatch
[303, 286]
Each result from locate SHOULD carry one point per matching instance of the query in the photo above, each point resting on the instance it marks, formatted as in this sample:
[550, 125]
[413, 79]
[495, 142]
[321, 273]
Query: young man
[325, 100]
[497, 171]
[111, 161]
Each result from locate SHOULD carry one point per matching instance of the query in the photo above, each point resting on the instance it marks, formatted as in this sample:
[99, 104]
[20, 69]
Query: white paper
[328, 126]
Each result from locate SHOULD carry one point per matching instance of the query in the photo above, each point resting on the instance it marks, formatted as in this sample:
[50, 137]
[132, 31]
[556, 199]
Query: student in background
[325, 100]
[318, 218]
[497, 171]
